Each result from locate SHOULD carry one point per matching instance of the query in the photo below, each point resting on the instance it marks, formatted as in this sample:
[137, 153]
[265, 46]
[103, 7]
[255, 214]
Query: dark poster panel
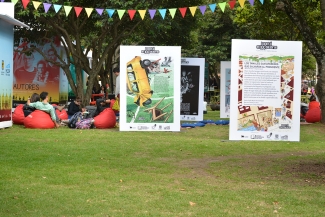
[190, 81]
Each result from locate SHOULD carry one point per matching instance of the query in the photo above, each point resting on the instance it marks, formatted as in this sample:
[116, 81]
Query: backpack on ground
[84, 123]
[74, 119]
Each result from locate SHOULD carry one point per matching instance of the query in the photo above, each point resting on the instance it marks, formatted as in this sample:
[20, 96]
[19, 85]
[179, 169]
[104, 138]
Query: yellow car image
[138, 81]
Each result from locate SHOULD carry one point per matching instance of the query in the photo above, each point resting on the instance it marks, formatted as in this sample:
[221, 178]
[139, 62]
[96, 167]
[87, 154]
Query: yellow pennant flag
[67, 9]
[193, 10]
[222, 6]
[242, 3]
[142, 13]
[88, 11]
[172, 12]
[36, 4]
[14, 1]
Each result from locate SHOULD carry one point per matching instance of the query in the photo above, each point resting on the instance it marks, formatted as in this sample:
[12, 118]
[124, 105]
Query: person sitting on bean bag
[46, 107]
[28, 109]
[313, 103]
[101, 105]
[74, 107]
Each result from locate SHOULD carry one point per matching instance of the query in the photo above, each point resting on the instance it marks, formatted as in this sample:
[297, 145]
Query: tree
[214, 38]
[312, 38]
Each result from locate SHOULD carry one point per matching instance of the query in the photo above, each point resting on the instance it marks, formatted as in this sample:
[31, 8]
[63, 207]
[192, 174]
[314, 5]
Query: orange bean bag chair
[39, 120]
[313, 115]
[63, 115]
[18, 115]
[106, 119]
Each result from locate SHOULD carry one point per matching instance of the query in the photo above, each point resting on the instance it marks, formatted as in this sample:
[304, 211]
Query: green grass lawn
[195, 172]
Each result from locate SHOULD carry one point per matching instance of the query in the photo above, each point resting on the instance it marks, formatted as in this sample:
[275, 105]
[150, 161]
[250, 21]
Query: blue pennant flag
[110, 12]
[213, 7]
[162, 13]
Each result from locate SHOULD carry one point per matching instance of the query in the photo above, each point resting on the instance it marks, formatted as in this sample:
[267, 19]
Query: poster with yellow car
[150, 88]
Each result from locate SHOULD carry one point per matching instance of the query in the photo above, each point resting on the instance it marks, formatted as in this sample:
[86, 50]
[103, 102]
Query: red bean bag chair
[63, 115]
[313, 115]
[39, 120]
[18, 115]
[106, 119]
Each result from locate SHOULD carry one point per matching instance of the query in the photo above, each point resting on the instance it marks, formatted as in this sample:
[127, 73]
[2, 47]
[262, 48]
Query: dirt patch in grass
[292, 168]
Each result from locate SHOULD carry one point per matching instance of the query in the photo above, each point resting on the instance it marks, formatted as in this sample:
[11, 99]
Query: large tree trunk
[310, 40]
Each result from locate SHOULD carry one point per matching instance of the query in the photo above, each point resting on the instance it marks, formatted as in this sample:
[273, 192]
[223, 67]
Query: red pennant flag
[78, 10]
[131, 13]
[183, 11]
[25, 3]
[232, 4]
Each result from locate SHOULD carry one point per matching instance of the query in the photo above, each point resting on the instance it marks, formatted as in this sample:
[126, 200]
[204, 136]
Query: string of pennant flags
[142, 13]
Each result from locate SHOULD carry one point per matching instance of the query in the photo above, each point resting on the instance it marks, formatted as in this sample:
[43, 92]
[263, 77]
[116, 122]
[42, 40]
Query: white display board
[192, 89]
[150, 88]
[225, 82]
[265, 90]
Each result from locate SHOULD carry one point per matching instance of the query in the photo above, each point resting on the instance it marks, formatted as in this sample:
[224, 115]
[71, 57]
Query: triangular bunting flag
[46, 6]
[232, 4]
[110, 12]
[212, 7]
[222, 6]
[57, 7]
[262, 1]
[242, 3]
[183, 11]
[99, 11]
[25, 3]
[203, 8]
[36, 4]
[131, 13]
[67, 10]
[78, 10]
[14, 1]
[251, 2]
[120, 13]
[2, 0]
[152, 13]
[163, 12]
[172, 12]
[89, 11]
[142, 13]
[193, 10]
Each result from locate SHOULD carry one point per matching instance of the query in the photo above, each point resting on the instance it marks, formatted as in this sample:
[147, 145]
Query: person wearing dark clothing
[28, 109]
[74, 107]
[102, 104]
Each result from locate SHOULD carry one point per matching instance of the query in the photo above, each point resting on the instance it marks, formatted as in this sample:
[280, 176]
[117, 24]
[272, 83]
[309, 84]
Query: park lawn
[194, 172]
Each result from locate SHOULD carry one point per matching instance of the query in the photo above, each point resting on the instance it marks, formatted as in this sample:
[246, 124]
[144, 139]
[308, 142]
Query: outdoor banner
[265, 102]
[6, 41]
[225, 81]
[33, 74]
[64, 87]
[150, 88]
[192, 89]
[6, 61]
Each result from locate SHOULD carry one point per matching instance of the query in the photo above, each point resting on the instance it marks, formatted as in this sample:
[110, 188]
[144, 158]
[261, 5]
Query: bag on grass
[74, 119]
[84, 123]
